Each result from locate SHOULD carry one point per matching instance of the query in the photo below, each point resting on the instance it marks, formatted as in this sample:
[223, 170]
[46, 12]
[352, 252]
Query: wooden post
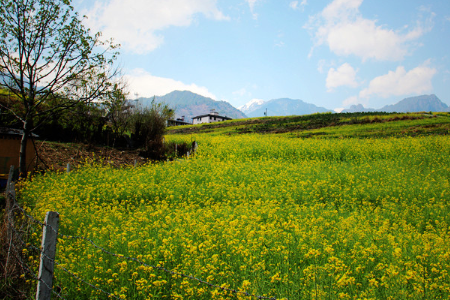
[49, 235]
[8, 190]
[8, 215]
[10, 198]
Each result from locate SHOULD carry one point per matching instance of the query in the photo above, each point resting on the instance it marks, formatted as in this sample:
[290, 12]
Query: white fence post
[49, 235]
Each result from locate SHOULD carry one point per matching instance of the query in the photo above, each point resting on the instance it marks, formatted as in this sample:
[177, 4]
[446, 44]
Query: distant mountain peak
[357, 108]
[410, 104]
[280, 107]
[189, 105]
[251, 105]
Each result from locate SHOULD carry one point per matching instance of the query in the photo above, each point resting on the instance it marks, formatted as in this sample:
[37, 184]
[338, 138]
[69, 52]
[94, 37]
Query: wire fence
[16, 210]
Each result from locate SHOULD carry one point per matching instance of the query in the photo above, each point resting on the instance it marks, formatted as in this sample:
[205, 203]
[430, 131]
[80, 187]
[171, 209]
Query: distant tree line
[114, 122]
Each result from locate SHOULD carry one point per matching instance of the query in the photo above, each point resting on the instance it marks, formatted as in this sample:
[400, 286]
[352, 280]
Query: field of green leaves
[271, 215]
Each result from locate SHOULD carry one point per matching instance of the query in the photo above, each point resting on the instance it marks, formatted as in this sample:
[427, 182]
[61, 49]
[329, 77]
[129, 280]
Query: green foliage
[49, 61]
[148, 126]
[119, 112]
[111, 123]
[84, 123]
[177, 149]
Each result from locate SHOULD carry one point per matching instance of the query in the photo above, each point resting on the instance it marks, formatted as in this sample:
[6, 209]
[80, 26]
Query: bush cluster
[116, 123]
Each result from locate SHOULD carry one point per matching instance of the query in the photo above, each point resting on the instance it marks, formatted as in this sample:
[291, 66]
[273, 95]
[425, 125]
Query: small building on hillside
[177, 122]
[10, 149]
[212, 117]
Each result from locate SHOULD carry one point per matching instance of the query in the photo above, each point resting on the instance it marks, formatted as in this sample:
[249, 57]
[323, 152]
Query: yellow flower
[275, 278]
[245, 284]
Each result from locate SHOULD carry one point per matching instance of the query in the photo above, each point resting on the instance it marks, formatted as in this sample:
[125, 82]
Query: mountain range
[280, 107]
[411, 104]
[189, 105]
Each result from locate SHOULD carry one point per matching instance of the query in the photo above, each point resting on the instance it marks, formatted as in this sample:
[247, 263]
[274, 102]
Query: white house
[212, 117]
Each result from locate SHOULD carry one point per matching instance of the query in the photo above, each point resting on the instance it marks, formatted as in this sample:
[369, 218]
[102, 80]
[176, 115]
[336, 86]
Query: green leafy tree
[50, 62]
[148, 128]
[119, 111]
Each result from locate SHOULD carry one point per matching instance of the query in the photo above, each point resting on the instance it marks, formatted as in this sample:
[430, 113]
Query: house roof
[212, 115]
[13, 131]
[178, 122]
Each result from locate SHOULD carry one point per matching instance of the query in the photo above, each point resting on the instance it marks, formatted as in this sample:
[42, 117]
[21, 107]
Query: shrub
[149, 126]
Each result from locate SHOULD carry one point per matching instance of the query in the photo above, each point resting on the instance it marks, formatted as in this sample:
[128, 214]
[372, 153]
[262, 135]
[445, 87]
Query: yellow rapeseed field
[265, 214]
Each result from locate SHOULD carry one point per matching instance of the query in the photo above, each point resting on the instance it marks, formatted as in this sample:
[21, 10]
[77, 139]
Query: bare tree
[49, 61]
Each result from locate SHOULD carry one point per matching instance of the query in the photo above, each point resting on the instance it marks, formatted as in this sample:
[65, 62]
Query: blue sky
[329, 53]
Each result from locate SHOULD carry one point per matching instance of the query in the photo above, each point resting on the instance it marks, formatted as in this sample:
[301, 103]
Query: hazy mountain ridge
[411, 104]
[281, 107]
[189, 104]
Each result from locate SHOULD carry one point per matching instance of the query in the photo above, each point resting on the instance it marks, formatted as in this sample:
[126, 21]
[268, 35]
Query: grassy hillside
[357, 211]
[329, 125]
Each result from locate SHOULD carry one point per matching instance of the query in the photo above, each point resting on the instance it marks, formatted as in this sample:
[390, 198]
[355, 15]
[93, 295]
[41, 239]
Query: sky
[333, 54]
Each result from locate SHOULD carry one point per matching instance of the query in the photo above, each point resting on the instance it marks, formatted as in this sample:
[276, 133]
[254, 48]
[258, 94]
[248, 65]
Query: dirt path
[56, 156]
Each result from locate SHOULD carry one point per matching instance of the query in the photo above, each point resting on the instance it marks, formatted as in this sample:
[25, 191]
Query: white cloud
[251, 4]
[278, 41]
[351, 101]
[321, 65]
[345, 75]
[294, 5]
[354, 100]
[400, 82]
[366, 40]
[147, 85]
[341, 26]
[135, 23]
[341, 9]
[241, 92]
